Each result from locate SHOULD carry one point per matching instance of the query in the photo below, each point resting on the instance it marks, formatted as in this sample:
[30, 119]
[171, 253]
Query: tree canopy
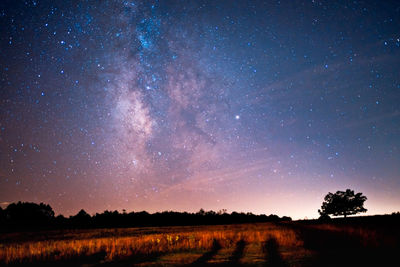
[343, 203]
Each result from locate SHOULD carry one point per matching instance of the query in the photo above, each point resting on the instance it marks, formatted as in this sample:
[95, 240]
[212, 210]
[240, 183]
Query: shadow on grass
[272, 255]
[208, 255]
[237, 254]
[343, 249]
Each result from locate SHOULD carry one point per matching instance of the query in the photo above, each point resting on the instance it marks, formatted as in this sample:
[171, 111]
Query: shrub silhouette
[29, 214]
[343, 203]
[324, 218]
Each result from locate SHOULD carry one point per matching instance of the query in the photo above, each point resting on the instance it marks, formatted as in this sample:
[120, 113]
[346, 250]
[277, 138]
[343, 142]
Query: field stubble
[178, 245]
[288, 244]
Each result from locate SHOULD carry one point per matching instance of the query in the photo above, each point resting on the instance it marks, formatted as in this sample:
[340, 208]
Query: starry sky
[253, 106]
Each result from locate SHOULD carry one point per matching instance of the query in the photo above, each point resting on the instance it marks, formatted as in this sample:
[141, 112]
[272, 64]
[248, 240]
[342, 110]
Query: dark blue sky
[259, 106]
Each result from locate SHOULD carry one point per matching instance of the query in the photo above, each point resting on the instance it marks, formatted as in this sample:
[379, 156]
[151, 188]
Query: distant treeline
[31, 216]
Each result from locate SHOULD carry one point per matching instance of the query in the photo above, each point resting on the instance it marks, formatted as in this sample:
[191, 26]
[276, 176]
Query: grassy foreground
[263, 244]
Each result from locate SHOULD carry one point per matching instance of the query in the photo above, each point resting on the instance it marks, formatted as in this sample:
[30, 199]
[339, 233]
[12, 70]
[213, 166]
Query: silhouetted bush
[82, 219]
[324, 218]
[27, 215]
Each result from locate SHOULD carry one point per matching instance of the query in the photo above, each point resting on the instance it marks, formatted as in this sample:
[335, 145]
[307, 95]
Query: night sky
[253, 106]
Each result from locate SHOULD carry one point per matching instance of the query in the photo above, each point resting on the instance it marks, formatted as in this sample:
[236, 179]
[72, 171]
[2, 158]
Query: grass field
[263, 244]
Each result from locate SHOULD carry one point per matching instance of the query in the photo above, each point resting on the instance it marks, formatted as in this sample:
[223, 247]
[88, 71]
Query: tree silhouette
[343, 203]
[33, 212]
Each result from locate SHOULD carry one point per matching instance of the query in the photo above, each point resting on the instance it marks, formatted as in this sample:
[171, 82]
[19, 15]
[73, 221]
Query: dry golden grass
[121, 244]
[172, 246]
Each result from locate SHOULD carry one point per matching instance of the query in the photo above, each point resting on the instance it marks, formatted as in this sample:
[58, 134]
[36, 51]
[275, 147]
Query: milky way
[260, 106]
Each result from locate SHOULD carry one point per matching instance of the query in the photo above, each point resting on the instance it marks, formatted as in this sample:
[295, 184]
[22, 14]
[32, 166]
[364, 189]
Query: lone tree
[343, 203]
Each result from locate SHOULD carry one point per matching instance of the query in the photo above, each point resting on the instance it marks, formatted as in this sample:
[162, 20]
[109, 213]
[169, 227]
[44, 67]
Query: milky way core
[254, 106]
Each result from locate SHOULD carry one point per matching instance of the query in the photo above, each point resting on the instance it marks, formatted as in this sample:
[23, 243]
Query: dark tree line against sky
[32, 216]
